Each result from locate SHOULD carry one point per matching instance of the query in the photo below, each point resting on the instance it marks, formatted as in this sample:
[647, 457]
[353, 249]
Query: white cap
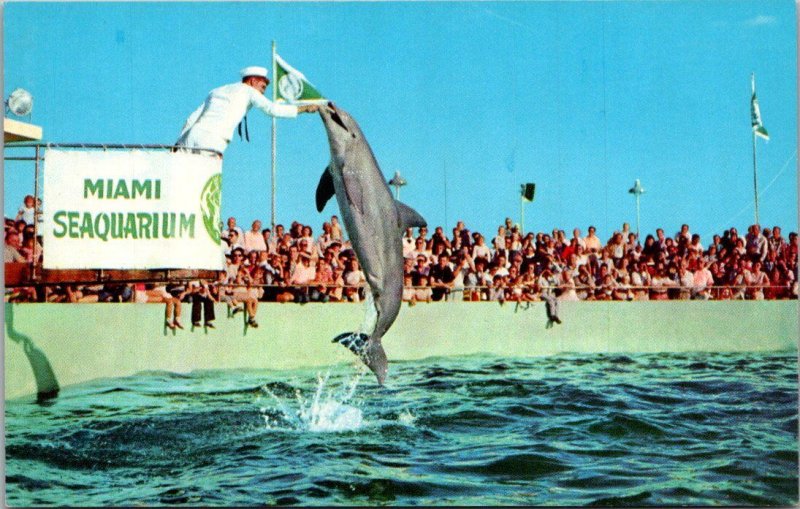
[254, 70]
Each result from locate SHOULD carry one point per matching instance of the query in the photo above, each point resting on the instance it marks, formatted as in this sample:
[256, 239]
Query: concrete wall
[87, 341]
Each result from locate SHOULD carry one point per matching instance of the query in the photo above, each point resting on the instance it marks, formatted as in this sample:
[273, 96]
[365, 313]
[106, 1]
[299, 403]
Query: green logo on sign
[209, 204]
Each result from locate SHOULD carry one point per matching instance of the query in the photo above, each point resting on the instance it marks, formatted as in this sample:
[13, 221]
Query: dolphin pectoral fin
[325, 189]
[409, 217]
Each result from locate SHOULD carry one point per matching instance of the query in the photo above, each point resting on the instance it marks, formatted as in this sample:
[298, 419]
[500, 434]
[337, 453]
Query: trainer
[213, 123]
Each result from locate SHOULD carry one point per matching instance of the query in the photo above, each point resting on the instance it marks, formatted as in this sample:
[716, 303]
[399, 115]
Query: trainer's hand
[308, 108]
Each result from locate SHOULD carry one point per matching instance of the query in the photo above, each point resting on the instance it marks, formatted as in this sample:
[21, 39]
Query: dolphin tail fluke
[355, 341]
[375, 358]
[371, 352]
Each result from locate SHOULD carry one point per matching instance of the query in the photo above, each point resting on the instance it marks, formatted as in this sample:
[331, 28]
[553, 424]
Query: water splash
[406, 418]
[327, 411]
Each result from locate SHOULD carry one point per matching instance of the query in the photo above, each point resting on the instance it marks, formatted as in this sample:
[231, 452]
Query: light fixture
[20, 102]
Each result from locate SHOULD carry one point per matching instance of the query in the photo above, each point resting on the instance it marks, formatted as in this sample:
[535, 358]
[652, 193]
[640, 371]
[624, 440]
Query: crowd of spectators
[294, 265]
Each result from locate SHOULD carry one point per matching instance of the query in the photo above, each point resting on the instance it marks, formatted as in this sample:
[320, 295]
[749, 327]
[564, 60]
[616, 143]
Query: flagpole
[274, 138]
[755, 165]
[755, 175]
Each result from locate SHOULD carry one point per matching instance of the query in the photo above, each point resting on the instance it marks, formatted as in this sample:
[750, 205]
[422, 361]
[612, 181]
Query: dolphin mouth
[334, 115]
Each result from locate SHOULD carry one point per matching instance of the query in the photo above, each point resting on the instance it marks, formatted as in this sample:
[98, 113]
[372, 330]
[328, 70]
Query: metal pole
[522, 215]
[444, 171]
[637, 216]
[36, 210]
[274, 139]
[755, 175]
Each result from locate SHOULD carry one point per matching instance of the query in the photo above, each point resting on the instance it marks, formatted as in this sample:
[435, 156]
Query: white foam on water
[406, 418]
[327, 411]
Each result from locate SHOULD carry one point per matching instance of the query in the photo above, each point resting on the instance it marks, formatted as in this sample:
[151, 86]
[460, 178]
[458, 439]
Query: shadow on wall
[46, 383]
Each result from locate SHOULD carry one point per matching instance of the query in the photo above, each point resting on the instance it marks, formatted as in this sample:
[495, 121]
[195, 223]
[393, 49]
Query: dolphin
[375, 223]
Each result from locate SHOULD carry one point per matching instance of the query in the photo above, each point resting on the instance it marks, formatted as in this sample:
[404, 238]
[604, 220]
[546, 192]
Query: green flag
[292, 87]
[755, 113]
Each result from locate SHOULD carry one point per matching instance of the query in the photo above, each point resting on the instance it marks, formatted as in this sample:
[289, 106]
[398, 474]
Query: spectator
[202, 300]
[703, 281]
[409, 243]
[408, 289]
[480, 249]
[173, 294]
[441, 277]
[354, 279]
[499, 241]
[302, 276]
[232, 227]
[756, 282]
[756, 244]
[591, 242]
[336, 229]
[423, 292]
[253, 239]
[27, 211]
[11, 252]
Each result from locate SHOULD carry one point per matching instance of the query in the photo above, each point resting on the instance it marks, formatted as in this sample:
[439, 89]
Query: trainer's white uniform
[213, 123]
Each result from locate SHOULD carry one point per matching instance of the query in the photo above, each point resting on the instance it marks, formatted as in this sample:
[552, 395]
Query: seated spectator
[354, 279]
[497, 292]
[703, 281]
[234, 242]
[441, 277]
[660, 283]
[515, 285]
[246, 293]
[115, 292]
[584, 283]
[605, 288]
[421, 268]
[302, 276]
[623, 291]
[11, 248]
[685, 280]
[463, 267]
[173, 294]
[567, 287]
[408, 289]
[756, 280]
[202, 300]
[640, 281]
[478, 281]
[336, 293]
[423, 292]
[778, 287]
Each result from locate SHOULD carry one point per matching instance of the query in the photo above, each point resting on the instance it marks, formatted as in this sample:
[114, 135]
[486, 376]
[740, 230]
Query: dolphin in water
[375, 222]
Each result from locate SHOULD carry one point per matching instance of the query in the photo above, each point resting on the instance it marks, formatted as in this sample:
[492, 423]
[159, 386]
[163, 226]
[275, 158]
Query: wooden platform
[23, 274]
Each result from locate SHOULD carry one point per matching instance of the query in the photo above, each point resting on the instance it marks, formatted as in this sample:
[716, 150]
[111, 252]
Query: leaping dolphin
[375, 222]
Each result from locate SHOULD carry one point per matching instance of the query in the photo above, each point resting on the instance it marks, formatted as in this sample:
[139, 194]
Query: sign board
[131, 209]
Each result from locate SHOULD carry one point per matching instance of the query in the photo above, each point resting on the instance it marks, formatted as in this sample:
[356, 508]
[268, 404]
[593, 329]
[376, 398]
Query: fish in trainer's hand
[375, 222]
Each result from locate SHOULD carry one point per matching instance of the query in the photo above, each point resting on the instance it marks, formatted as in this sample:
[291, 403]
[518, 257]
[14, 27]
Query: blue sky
[467, 100]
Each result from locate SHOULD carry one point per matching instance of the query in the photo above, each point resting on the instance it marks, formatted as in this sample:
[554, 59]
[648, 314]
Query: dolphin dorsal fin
[325, 189]
[409, 217]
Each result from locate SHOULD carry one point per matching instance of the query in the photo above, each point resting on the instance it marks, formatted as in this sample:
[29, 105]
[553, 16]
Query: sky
[467, 100]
